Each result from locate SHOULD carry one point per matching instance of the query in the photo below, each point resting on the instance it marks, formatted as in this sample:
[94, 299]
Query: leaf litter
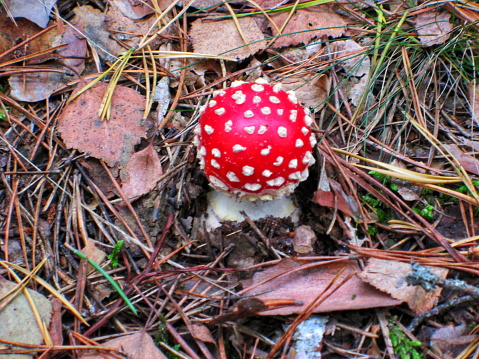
[378, 100]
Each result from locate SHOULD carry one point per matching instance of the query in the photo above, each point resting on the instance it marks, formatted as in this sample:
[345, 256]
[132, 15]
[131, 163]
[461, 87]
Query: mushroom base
[225, 208]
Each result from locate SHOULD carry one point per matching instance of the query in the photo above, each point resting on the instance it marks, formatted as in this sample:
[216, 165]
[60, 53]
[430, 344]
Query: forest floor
[105, 249]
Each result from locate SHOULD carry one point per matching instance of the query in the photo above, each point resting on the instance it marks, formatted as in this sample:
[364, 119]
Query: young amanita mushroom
[254, 141]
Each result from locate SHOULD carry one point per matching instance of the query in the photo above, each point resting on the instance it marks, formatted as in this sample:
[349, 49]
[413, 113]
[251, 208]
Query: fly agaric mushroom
[255, 141]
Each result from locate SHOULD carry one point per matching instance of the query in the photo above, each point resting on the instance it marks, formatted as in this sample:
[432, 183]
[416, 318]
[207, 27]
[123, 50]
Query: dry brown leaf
[352, 58]
[470, 163]
[92, 24]
[134, 10]
[93, 253]
[336, 198]
[433, 27]
[129, 31]
[37, 86]
[136, 346]
[306, 24]
[451, 340]
[304, 286]
[111, 140]
[230, 44]
[35, 11]
[141, 173]
[311, 90]
[202, 333]
[17, 318]
[389, 276]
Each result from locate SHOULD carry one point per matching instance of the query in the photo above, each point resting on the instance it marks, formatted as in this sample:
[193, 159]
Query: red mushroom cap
[255, 141]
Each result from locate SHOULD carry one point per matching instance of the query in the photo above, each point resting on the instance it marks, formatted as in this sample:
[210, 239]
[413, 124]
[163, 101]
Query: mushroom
[254, 143]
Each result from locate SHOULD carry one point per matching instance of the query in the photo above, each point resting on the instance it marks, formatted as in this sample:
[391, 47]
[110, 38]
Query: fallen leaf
[129, 31]
[311, 90]
[304, 239]
[136, 346]
[334, 197]
[356, 92]
[408, 194]
[470, 163]
[433, 27]
[92, 24]
[202, 333]
[306, 24]
[232, 45]
[451, 340]
[353, 58]
[17, 318]
[93, 253]
[305, 285]
[111, 140]
[39, 85]
[141, 173]
[134, 9]
[389, 276]
[35, 11]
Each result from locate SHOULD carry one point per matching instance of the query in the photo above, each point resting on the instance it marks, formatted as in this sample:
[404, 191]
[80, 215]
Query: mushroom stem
[225, 208]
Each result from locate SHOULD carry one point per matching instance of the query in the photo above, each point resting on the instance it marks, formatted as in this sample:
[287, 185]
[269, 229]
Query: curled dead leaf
[113, 140]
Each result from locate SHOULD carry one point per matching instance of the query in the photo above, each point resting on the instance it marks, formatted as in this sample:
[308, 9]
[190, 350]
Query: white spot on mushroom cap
[267, 173]
[248, 170]
[215, 164]
[280, 111]
[293, 163]
[265, 110]
[261, 81]
[276, 182]
[299, 143]
[292, 97]
[228, 126]
[232, 177]
[257, 87]
[274, 99]
[308, 120]
[212, 103]
[209, 130]
[239, 97]
[218, 93]
[295, 176]
[203, 151]
[238, 148]
[293, 115]
[266, 151]
[220, 111]
[249, 129]
[252, 186]
[277, 87]
[256, 99]
[304, 175]
[216, 152]
[237, 83]
[308, 157]
[262, 129]
[279, 161]
[248, 114]
[216, 182]
[301, 176]
[304, 130]
[282, 131]
[312, 140]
